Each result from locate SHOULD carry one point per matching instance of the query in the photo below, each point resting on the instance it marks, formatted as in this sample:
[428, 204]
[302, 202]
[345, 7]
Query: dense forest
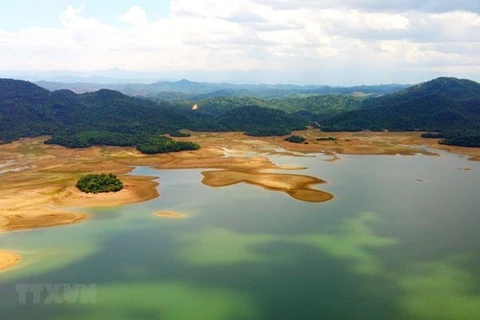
[448, 107]
[99, 183]
[108, 117]
[160, 144]
[314, 107]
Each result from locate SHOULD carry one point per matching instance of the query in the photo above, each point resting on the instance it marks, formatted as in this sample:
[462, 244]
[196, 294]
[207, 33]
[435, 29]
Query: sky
[336, 42]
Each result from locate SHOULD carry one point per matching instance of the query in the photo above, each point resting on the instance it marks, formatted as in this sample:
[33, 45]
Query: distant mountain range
[185, 89]
[447, 105]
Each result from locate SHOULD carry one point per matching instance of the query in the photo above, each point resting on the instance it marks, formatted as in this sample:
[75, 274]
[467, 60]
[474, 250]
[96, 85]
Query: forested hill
[110, 117]
[437, 105]
[447, 105]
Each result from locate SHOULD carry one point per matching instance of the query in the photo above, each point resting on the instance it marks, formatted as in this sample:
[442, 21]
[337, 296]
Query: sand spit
[8, 260]
[170, 214]
[297, 186]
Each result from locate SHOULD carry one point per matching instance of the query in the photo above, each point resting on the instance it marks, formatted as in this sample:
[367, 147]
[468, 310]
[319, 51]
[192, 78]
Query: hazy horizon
[334, 42]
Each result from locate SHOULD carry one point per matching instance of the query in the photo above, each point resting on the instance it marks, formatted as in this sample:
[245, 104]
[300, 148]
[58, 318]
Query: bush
[98, 183]
[326, 138]
[295, 139]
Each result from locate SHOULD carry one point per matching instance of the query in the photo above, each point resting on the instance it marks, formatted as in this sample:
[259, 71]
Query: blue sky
[336, 42]
[20, 14]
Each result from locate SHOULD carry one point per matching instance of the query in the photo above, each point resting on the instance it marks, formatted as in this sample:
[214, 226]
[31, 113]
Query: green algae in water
[222, 246]
[441, 290]
[250, 254]
[352, 241]
[168, 301]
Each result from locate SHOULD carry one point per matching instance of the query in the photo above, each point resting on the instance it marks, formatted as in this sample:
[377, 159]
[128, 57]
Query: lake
[399, 241]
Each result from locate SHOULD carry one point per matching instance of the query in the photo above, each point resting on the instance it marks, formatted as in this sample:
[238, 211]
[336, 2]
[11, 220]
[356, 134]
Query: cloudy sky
[338, 42]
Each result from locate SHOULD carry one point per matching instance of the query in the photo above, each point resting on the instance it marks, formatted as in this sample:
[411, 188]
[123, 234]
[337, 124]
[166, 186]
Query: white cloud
[240, 35]
[136, 16]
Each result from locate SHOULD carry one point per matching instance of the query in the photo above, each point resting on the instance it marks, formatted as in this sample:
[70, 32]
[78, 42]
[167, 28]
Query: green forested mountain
[447, 105]
[437, 105]
[311, 105]
[112, 118]
[257, 121]
[28, 110]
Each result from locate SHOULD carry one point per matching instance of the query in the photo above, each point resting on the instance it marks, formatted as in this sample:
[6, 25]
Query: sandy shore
[8, 260]
[40, 182]
[170, 214]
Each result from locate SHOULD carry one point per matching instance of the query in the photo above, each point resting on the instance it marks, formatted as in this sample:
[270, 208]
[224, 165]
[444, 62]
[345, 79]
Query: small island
[99, 183]
[295, 139]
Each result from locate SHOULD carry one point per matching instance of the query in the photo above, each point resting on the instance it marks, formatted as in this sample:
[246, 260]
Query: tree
[99, 183]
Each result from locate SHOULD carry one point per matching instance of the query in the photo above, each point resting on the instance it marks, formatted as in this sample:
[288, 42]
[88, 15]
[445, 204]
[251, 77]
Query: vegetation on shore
[179, 134]
[295, 139]
[464, 140]
[432, 135]
[162, 144]
[461, 138]
[329, 138]
[99, 183]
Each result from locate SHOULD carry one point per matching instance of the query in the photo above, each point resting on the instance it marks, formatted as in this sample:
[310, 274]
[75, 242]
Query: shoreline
[40, 192]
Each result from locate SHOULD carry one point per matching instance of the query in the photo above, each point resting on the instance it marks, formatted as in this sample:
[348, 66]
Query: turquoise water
[387, 247]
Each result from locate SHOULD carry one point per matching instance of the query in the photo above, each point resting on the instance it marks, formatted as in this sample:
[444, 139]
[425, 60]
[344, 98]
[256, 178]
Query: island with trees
[99, 183]
[295, 139]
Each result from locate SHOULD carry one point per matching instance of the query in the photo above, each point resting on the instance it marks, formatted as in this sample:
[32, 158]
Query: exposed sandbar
[297, 186]
[170, 214]
[34, 219]
[8, 260]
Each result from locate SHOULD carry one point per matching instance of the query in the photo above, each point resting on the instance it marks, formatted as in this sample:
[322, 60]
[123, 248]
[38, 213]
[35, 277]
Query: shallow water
[399, 241]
